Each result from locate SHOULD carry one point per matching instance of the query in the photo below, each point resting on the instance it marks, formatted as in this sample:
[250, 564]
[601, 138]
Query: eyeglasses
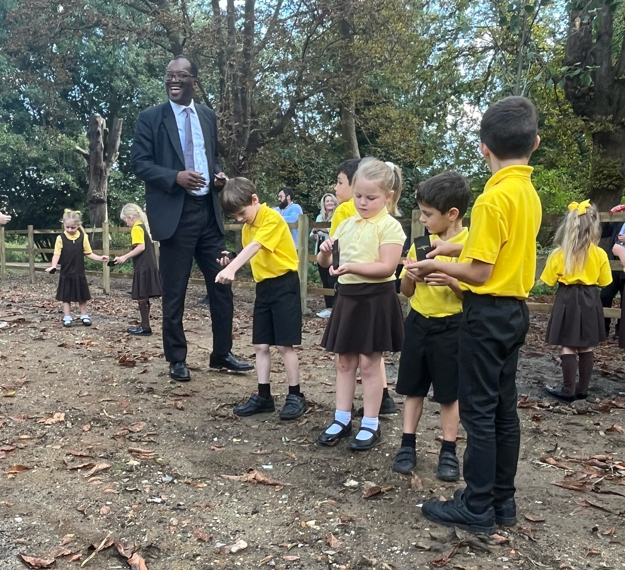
[177, 76]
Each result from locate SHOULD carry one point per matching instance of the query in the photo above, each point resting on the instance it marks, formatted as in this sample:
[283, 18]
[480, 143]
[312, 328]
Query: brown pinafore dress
[73, 287]
[146, 281]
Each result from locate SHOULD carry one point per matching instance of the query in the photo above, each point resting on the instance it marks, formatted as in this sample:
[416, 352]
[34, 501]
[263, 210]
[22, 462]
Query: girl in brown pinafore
[70, 250]
[146, 282]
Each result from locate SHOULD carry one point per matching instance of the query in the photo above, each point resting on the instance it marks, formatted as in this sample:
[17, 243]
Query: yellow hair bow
[581, 208]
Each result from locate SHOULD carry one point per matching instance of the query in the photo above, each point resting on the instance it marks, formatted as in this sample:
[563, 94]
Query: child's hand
[4, 219]
[326, 248]
[225, 260]
[342, 269]
[412, 273]
[121, 259]
[423, 268]
[48, 269]
[104, 259]
[440, 247]
[438, 279]
[225, 276]
[618, 250]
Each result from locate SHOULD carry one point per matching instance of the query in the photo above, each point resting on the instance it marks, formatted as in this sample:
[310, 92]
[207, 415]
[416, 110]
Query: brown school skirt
[366, 318]
[577, 317]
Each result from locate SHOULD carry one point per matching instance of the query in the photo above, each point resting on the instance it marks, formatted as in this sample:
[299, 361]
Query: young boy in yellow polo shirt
[269, 247]
[346, 209]
[429, 356]
[496, 270]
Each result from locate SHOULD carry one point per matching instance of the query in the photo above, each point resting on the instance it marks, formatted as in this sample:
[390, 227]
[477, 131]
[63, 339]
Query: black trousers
[328, 283]
[492, 331]
[197, 236]
[609, 292]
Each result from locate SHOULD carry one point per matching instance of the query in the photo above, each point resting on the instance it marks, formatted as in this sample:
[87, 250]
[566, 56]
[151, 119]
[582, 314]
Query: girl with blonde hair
[146, 280]
[579, 267]
[328, 205]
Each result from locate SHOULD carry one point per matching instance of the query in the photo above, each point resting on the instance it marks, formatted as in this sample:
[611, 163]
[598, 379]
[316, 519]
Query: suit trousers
[197, 236]
[609, 292]
[492, 331]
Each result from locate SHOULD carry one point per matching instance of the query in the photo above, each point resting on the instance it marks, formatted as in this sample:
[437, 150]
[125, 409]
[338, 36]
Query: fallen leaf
[333, 542]
[78, 453]
[346, 518]
[534, 518]
[575, 486]
[201, 535]
[443, 558]
[375, 490]
[86, 427]
[499, 539]
[11, 394]
[136, 428]
[126, 549]
[136, 562]
[99, 467]
[87, 465]
[126, 360]
[57, 418]
[593, 551]
[415, 483]
[233, 548]
[265, 560]
[67, 539]
[105, 510]
[17, 469]
[255, 477]
[288, 558]
[34, 562]
[609, 532]
[217, 447]
[144, 454]
[615, 428]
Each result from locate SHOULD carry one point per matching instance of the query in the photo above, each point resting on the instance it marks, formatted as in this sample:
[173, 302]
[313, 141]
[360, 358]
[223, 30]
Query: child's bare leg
[450, 418]
[383, 372]
[291, 364]
[372, 392]
[413, 408]
[263, 363]
[67, 310]
[83, 308]
[346, 367]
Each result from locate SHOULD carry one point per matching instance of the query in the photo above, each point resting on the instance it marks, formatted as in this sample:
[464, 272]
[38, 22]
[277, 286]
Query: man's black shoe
[294, 407]
[405, 460]
[140, 331]
[366, 444]
[178, 371]
[560, 394]
[388, 406]
[229, 362]
[331, 439]
[204, 301]
[581, 396]
[255, 405]
[448, 466]
[455, 513]
[505, 514]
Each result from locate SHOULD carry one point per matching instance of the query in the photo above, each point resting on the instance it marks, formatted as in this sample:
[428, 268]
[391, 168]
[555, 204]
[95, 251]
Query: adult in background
[328, 204]
[4, 219]
[288, 209]
[615, 231]
[175, 153]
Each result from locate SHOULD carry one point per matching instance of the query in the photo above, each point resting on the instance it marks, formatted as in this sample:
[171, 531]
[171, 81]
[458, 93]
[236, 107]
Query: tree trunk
[348, 104]
[348, 130]
[607, 177]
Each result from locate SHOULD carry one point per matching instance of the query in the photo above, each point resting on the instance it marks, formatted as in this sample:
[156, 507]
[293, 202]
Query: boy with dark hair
[344, 191]
[496, 270]
[429, 356]
[268, 246]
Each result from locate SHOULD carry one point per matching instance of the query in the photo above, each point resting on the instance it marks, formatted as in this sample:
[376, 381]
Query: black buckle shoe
[86, 321]
[448, 467]
[294, 407]
[405, 460]
[139, 331]
[67, 323]
[179, 372]
[229, 362]
[505, 514]
[455, 513]
[560, 394]
[255, 405]
[366, 444]
[331, 439]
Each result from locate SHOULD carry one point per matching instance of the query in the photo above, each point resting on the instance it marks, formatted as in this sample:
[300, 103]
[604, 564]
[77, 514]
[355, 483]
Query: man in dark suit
[614, 231]
[175, 153]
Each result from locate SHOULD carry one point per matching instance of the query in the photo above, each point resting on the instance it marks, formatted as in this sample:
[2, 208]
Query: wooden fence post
[106, 247]
[302, 253]
[3, 255]
[416, 228]
[31, 254]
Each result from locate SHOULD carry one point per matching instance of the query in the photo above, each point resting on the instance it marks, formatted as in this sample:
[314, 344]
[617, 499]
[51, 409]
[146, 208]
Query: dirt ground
[90, 396]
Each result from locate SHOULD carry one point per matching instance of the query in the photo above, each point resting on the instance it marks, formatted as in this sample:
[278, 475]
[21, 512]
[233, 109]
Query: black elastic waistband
[290, 275]
[474, 298]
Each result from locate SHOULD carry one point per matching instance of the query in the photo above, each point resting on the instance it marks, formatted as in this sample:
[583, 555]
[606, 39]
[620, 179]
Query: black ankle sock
[264, 390]
[409, 440]
[385, 394]
[295, 390]
[449, 446]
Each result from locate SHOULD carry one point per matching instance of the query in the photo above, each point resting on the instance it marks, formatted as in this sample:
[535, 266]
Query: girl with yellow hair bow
[579, 267]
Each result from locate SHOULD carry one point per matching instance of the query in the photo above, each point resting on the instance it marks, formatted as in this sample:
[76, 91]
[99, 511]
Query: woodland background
[300, 85]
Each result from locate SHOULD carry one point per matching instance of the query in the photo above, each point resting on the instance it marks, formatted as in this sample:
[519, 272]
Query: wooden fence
[302, 225]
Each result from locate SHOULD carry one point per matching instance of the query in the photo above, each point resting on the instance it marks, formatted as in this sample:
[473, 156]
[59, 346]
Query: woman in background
[328, 204]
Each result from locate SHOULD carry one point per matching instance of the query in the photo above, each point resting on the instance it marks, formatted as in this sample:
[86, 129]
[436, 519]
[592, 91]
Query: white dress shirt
[199, 150]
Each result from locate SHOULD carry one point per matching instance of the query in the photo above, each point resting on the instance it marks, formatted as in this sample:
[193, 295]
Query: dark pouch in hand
[422, 247]
[52, 271]
[335, 255]
[111, 263]
[218, 182]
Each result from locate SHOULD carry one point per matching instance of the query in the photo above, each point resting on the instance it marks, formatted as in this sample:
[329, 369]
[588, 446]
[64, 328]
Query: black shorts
[278, 311]
[429, 357]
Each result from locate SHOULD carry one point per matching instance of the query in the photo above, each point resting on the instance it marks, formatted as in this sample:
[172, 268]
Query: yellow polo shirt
[596, 270]
[343, 212]
[137, 233]
[58, 244]
[360, 240]
[278, 254]
[504, 224]
[436, 302]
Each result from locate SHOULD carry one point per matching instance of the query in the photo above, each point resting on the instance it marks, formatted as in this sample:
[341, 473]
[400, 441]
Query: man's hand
[440, 247]
[4, 219]
[225, 259]
[190, 180]
[620, 238]
[225, 276]
[438, 279]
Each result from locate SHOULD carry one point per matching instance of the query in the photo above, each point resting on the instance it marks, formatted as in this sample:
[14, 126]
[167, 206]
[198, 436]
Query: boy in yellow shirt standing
[269, 247]
[429, 356]
[496, 270]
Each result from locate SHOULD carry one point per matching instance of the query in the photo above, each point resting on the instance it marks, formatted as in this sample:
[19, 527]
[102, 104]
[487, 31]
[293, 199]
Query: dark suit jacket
[611, 230]
[156, 158]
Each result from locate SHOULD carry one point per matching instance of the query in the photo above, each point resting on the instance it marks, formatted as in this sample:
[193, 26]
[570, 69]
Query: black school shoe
[228, 362]
[179, 372]
[331, 439]
[505, 514]
[387, 407]
[560, 394]
[255, 405]
[366, 444]
[455, 513]
[139, 331]
[405, 460]
[294, 407]
[448, 466]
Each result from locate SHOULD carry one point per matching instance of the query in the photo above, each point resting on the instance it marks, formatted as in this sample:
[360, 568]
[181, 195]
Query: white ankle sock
[343, 417]
[67, 318]
[84, 316]
[371, 423]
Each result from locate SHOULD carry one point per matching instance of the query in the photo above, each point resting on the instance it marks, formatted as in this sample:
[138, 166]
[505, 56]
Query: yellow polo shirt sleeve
[553, 268]
[343, 212]
[137, 234]
[86, 246]
[486, 245]
[58, 245]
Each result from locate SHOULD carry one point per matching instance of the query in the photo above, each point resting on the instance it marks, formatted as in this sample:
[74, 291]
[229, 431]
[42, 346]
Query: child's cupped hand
[341, 270]
[225, 276]
[438, 279]
[326, 247]
[48, 269]
[121, 259]
[104, 259]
